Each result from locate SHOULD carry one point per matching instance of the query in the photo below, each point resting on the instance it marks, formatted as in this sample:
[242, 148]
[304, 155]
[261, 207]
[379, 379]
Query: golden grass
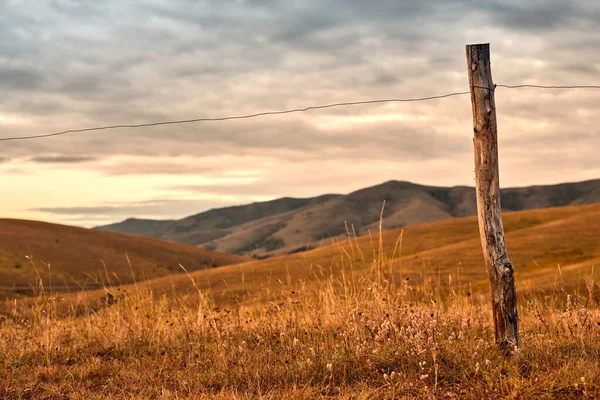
[547, 246]
[351, 329]
[75, 258]
[342, 339]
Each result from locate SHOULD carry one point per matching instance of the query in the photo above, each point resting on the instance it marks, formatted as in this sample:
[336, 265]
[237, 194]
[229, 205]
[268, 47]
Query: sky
[68, 64]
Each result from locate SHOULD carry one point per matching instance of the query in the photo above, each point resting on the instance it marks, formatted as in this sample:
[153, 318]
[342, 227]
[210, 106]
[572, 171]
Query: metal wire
[550, 87]
[296, 110]
[227, 118]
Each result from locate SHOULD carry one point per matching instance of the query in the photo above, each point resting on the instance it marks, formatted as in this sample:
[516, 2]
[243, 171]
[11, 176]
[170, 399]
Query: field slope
[70, 257]
[341, 321]
[548, 247]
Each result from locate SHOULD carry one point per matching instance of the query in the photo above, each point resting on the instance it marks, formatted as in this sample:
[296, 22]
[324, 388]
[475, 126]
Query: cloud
[536, 16]
[162, 166]
[66, 65]
[154, 208]
[61, 159]
[580, 69]
[262, 188]
[18, 79]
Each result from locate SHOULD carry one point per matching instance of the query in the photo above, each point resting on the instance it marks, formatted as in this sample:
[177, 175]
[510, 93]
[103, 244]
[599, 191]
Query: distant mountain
[143, 227]
[290, 225]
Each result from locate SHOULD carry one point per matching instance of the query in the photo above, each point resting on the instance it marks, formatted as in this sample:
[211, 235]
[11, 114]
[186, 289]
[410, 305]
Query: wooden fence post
[500, 269]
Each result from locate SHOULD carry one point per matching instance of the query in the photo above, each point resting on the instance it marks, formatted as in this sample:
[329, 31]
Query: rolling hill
[290, 225]
[69, 258]
[219, 329]
[552, 249]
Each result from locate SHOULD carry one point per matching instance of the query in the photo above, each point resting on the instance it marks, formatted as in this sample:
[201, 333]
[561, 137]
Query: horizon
[133, 217]
[69, 66]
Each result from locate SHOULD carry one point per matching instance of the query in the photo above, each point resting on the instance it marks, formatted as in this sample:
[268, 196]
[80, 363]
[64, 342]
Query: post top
[477, 45]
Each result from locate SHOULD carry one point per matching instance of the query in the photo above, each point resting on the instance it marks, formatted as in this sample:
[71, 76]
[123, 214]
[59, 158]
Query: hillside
[290, 225]
[69, 258]
[214, 226]
[550, 248]
[326, 324]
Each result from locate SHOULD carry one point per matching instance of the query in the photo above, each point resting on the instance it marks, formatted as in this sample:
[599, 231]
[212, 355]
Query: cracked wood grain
[485, 139]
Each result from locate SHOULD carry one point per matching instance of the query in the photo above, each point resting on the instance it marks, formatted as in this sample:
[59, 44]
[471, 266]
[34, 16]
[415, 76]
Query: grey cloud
[224, 189]
[162, 167]
[155, 208]
[272, 186]
[385, 140]
[305, 30]
[566, 158]
[298, 179]
[61, 159]
[408, 143]
[19, 79]
[533, 16]
[116, 62]
[275, 134]
[580, 68]
[385, 78]
[37, 106]
[83, 84]
[298, 27]
[85, 9]
[264, 188]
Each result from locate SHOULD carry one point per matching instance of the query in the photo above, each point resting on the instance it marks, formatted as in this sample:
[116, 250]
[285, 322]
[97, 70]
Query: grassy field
[547, 246]
[350, 338]
[338, 322]
[67, 258]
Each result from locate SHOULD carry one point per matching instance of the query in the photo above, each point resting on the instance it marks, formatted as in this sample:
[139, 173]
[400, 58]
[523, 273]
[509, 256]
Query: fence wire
[295, 110]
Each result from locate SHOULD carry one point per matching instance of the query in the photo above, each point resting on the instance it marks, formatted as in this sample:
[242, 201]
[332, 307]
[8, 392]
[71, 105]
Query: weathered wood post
[500, 269]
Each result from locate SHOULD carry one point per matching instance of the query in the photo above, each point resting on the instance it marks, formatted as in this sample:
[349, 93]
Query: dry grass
[538, 241]
[74, 258]
[353, 335]
[552, 249]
